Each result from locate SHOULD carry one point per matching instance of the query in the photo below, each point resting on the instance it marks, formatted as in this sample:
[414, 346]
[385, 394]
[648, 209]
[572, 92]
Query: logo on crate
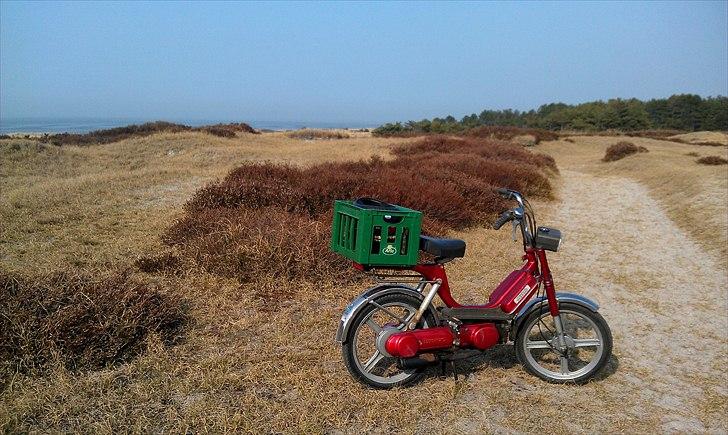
[389, 250]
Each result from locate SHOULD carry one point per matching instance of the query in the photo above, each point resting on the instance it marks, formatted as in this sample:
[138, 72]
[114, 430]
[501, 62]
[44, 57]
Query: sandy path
[663, 295]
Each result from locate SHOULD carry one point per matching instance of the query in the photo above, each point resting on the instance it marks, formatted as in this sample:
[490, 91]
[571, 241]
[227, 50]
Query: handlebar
[521, 215]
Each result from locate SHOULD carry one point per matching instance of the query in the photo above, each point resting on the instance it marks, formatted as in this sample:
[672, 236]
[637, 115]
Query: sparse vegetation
[311, 134]
[712, 160]
[692, 154]
[621, 150]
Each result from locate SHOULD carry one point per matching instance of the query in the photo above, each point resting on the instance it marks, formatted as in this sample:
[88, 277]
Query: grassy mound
[621, 150]
[84, 319]
[274, 220]
[227, 130]
[712, 160]
[508, 133]
[120, 133]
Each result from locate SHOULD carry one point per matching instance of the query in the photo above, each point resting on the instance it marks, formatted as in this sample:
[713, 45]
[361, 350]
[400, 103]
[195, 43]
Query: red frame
[533, 259]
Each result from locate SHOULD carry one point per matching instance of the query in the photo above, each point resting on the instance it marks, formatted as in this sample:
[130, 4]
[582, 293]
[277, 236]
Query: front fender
[359, 303]
[540, 301]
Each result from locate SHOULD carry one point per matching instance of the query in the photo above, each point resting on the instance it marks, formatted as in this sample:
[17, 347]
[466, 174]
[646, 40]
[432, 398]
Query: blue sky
[349, 61]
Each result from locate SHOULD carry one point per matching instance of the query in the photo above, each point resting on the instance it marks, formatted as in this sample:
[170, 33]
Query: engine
[411, 343]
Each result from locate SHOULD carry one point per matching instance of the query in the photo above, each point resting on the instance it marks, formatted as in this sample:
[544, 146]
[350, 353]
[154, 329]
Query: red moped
[393, 331]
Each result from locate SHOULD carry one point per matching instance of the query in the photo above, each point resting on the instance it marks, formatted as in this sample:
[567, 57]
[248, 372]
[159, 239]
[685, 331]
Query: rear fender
[363, 300]
[541, 302]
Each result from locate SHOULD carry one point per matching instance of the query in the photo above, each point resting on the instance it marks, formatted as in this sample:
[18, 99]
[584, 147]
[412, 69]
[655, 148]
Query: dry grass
[714, 138]
[513, 133]
[311, 134]
[246, 368]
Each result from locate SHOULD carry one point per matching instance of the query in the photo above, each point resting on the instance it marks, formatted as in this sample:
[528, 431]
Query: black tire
[348, 350]
[565, 307]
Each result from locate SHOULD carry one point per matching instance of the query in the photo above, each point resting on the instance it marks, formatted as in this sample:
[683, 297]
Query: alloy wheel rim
[573, 347]
[376, 360]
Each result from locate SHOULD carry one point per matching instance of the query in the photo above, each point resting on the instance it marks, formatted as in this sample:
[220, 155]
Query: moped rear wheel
[366, 363]
[588, 344]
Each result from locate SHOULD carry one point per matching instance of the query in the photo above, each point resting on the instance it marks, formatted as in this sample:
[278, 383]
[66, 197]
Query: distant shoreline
[41, 126]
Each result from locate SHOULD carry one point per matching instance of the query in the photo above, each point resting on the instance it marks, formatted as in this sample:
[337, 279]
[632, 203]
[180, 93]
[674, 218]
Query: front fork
[548, 284]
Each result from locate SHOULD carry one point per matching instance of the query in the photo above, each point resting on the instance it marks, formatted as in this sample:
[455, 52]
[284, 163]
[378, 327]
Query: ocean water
[84, 125]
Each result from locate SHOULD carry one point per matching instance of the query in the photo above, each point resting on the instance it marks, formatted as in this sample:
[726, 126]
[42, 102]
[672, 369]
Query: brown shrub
[491, 150]
[159, 263]
[227, 130]
[84, 319]
[712, 160]
[692, 154]
[507, 133]
[310, 134]
[274, 220]
[220, 132]
[621, 150]
[246, 244]
[708, 144]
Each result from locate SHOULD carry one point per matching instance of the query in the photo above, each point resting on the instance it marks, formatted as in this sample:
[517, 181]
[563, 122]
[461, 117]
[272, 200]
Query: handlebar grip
[505, 193]
[505, 217]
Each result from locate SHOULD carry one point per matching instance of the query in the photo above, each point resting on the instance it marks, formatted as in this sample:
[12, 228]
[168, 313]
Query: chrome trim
[360, 302]
[425, 305]
[382, 337]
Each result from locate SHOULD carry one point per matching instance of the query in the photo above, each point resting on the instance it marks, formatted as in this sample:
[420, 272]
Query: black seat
[442, 248]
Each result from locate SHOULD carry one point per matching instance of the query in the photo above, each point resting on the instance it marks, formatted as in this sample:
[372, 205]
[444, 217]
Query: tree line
[685, 112]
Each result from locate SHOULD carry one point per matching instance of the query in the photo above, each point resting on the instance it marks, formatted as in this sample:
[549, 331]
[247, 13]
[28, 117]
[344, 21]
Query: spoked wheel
[586, 349]
[363, 358]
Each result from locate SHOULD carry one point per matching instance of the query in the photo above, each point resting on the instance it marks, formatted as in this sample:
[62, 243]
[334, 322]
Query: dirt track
[663, 296]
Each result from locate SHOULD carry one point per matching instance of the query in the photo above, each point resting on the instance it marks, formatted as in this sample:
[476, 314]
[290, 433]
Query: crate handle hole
[392, 219]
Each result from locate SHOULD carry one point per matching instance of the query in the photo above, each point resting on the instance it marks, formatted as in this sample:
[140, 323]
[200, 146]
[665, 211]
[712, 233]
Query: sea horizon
[85, 125]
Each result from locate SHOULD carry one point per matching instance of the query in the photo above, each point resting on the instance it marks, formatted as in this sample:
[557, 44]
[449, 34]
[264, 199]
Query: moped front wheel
[586, 349]
[364, 360]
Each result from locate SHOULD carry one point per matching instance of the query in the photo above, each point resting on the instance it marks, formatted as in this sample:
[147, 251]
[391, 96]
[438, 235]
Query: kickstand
[443, 365]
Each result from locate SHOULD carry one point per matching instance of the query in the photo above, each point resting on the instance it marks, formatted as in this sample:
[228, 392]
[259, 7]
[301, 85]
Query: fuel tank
[514, 291]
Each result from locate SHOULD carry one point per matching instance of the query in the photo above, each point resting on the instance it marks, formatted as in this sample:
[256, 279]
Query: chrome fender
[540, 301]
[359, 303]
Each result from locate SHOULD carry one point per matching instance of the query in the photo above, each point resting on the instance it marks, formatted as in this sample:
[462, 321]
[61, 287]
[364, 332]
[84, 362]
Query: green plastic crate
[374, 236]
